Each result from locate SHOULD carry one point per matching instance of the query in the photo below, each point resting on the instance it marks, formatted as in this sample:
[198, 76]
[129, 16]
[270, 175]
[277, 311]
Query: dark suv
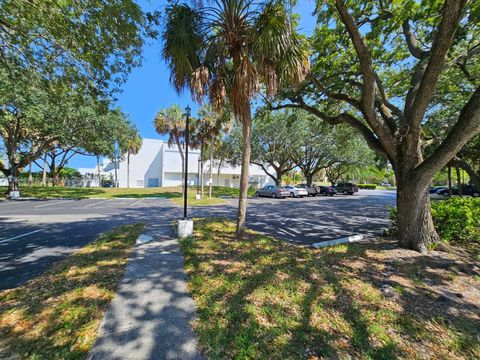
[346, 188]
[466, 190]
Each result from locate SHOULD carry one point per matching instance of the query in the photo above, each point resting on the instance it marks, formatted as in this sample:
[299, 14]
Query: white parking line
[19, 236]
[55, 203]
[14, 202]
[99, 202]
[136, 202]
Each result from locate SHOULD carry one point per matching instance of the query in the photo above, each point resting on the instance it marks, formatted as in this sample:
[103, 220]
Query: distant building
[158, 165]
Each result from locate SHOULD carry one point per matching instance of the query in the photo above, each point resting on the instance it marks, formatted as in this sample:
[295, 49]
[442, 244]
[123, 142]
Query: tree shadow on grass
[57, 314]
[262, 298]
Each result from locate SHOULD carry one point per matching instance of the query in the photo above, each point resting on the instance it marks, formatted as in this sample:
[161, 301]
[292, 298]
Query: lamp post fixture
[187, 114]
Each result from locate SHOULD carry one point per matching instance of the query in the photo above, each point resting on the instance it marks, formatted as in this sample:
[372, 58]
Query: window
[140, 183]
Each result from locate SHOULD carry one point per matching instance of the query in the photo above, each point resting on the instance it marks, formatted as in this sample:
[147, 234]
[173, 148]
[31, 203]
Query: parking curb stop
[342, 240]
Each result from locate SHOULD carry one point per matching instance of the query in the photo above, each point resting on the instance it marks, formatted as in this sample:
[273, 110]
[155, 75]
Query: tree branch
[368, 135]
[412, 43]
[414, 113]
[467, 126]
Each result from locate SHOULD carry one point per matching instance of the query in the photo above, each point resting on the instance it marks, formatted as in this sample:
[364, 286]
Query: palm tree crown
[226, 51]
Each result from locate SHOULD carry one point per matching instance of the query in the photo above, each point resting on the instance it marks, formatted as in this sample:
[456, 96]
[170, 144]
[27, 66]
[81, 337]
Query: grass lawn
[260, 298]
[57, 315]
[174, 193]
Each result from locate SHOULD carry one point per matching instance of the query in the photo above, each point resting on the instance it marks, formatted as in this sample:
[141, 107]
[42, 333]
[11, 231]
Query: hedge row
[367, 186]
[456, 219]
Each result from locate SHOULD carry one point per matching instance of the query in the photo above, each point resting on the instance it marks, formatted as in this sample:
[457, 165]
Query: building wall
[145, 167]
[157, 164]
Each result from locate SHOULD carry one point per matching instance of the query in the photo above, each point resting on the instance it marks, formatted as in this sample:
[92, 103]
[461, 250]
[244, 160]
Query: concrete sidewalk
[152, 310]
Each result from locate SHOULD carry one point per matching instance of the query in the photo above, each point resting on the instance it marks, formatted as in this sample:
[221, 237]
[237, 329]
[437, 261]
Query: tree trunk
[13, 179]
[449, 175]
[244, 175]
[30, 178]
[309, 179]
[128, 169]
[414, 219]
[218, 172]
[459, 180]
[210, 175]
[474, 176]
[201, 171]
[98, 172]
[115, 164]
[182, 156]
[44, 176]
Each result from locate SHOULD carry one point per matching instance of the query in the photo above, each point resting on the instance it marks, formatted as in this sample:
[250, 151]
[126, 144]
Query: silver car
[272, 191]
[296, 191]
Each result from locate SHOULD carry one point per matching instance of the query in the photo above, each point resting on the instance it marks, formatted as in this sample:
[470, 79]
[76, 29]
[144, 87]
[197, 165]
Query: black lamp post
[187, 114]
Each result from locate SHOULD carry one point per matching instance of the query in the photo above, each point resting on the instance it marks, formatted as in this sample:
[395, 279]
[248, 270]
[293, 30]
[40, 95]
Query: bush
[456, 219]
[367, 186]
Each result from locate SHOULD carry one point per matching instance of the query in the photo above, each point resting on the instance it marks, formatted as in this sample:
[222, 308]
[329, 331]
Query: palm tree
[226, 51]
[133, 145]
[210, 126]
[169, 121]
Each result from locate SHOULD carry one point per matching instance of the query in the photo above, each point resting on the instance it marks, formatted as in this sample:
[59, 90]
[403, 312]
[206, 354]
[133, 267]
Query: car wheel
[274, 195]
[257, 194]
[292, 194]
[345, 192]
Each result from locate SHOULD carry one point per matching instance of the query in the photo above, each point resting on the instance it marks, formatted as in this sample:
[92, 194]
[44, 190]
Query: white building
[157, 164]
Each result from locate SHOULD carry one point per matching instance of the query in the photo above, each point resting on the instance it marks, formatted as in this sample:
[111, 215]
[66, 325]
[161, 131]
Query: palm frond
[182, 39]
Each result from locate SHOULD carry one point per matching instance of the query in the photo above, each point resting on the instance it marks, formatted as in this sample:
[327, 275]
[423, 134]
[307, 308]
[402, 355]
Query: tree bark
[414, 219]
[201, 171]
[244, 175]
[459, 180]
[210, 179]
[44, 176]
[474, 176]
[30, 178]
[309, 179]
[98, 172]
[218, 172]
[13, 179]
[449, 178]
[182, 156]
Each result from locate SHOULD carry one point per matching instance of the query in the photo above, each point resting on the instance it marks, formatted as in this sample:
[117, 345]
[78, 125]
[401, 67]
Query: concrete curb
[342, 240]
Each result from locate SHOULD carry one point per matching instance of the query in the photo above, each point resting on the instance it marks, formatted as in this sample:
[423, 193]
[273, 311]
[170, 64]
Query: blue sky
[148, 88]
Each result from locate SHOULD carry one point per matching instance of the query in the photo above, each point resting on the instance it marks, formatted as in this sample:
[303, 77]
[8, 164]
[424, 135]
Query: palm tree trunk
[201, 171]
[210, 179]
[182, 156]
[244, 175]
[128, 169]
[218, 172]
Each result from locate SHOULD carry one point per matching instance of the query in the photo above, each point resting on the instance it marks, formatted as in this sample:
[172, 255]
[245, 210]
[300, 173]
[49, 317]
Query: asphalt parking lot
[36, 233]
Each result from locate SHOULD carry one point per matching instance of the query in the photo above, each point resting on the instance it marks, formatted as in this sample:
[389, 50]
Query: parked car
[468, 190]
[312, 189]
[296, 191]
[436, 189]
[273, 191]
[326, 190]
[346, 188]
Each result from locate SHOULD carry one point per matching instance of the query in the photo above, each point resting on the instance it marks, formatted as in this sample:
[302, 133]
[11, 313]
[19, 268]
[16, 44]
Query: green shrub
[367, 186]
[456, 219]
